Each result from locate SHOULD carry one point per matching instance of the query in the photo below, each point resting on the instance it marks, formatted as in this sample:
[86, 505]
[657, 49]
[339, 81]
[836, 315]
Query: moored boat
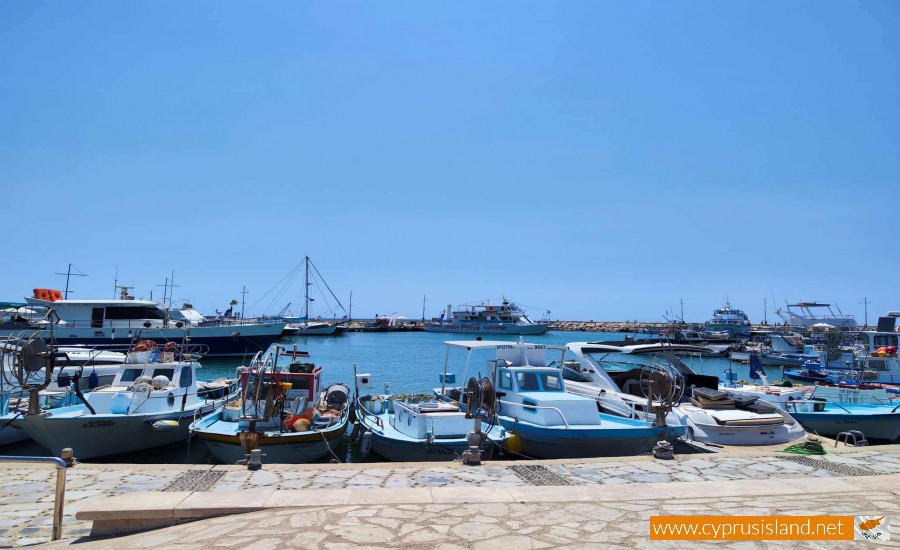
[284, 412]
[710, 413]
[730, 320]
[488, 318]
[148, 404]
[117, 322]
[544, 420]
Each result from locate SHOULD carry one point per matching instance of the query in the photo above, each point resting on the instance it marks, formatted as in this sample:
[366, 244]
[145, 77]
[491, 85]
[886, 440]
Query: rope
[809, 447]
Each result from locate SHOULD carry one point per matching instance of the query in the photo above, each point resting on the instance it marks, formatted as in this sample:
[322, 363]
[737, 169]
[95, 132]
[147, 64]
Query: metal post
[60, 496]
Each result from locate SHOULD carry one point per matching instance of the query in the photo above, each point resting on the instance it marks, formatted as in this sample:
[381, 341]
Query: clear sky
[599, 159]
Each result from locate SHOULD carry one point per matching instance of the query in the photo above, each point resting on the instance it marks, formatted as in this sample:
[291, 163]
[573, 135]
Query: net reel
[481, 399]
[28, 364]
[481, 402]
[663, 385]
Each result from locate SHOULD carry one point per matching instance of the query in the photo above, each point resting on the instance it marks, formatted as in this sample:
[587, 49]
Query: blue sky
[599, 159]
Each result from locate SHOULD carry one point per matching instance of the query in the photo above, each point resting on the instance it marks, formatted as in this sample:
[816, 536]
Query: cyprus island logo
[871, 528]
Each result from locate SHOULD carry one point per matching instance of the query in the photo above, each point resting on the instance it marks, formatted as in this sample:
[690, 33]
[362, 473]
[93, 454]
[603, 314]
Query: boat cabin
[147, 388]
[537, 395]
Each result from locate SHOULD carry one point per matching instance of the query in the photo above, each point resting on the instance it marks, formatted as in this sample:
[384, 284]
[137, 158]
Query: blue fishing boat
[414, 430]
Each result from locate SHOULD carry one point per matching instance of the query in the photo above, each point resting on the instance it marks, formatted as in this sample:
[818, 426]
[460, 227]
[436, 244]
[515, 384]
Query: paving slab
[208, 504]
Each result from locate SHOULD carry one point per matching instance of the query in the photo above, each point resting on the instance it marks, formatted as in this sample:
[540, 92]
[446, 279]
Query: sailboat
[302, 326]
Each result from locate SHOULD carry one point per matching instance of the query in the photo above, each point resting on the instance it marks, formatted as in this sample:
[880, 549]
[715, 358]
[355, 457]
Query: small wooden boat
[283, 412]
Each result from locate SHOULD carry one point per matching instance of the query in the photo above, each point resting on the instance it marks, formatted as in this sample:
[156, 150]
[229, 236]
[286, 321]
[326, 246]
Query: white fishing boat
[150, 402]
[488, 318]
[414, 430]
[283, 412]
[710, 415]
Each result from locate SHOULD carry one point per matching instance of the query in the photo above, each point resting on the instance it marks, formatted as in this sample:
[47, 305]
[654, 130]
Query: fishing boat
[69, 361]
[487, 318]
[117, 322]
[830, 411]
[150, 402]
[731, 320]
[284, 412]
[544, 420]
[711, 413]
[421, 429]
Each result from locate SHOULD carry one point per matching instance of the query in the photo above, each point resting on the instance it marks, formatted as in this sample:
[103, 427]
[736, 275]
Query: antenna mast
[424, 299]
[866, 302]
[68, 275]
[243, 300]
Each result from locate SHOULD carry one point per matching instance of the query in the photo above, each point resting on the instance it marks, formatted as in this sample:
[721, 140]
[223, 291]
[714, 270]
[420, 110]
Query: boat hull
[882, 427]
[222, 341]
[575, 442]
[478, 327]
[391, 445]
[289, 448]
[95, 436]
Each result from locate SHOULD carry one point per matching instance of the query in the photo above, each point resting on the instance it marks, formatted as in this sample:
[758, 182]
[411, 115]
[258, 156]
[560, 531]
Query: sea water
[410, 362]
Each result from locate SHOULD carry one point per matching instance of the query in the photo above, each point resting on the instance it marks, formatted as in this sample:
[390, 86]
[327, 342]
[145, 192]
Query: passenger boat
[150, 402]
[422, 430]
[117, 322]
[543, 419]
[284, 412]
[488, 318]
[710, 413]
[731, 320]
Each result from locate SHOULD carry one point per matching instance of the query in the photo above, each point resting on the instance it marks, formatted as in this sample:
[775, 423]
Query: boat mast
[68, 275]
[306, 289]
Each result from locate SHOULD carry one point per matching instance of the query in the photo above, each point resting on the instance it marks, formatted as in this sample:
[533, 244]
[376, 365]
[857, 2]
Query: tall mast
[350, 313]
[306, 288]
[423, 306]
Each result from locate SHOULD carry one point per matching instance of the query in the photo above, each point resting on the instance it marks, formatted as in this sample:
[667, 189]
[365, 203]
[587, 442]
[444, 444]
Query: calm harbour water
[409, 361]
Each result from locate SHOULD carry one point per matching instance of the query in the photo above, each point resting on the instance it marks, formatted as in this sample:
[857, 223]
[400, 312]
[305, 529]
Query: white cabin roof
[93, 303]
[485, 344]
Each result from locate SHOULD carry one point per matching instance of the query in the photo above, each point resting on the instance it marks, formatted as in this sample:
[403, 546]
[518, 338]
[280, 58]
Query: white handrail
[561, 415]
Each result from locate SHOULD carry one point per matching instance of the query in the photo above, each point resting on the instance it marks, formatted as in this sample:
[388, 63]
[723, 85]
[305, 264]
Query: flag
[755, 366]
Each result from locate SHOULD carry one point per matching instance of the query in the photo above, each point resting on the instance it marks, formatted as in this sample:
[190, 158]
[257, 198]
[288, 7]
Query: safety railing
[60, 492]
[363, 412]
[531, 407]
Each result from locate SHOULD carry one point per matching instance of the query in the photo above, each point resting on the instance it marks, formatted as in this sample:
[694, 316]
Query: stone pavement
[26, 494]
[589, 516]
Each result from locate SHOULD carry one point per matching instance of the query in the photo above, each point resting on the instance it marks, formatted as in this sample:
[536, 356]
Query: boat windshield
[544, 381]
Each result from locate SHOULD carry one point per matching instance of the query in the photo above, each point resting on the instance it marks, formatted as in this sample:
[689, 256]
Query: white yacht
[805, 315]
[710, 415]
[488, 318]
